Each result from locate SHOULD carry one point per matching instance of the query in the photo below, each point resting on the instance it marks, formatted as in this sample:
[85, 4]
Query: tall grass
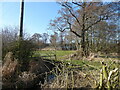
[70, 76]
[109, 78]
[72, 73]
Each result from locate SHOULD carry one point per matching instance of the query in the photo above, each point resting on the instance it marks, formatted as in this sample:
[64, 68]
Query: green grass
[61, 56]
[84, 64]
[62, 53]
[90, 68]
[50, 54]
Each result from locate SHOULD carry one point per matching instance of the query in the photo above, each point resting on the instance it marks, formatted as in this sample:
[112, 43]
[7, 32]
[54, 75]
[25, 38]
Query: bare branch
[69, 9]
[77, 4]
[104, 18]
[70, 27]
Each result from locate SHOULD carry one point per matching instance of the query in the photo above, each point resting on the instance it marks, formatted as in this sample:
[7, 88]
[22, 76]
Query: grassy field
[63, 57]
[91, 69]
[53, 54]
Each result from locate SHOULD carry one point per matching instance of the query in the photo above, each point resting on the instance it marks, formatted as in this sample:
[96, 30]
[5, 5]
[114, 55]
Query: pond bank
[36, 73]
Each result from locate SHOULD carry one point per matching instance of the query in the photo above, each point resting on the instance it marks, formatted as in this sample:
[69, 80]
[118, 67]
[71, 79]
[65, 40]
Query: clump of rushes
[69, 78]
[108, 79]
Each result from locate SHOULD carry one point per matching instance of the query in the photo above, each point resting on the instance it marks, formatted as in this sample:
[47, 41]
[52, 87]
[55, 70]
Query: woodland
[82, 53]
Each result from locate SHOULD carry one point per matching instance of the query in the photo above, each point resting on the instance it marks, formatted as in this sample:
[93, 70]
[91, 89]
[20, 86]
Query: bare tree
[9, 35]
[45, 37]
[59, 25]
[54, 39]
[84, 15]
[36, 37]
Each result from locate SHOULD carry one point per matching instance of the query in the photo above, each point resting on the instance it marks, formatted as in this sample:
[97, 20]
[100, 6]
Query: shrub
[22, 50]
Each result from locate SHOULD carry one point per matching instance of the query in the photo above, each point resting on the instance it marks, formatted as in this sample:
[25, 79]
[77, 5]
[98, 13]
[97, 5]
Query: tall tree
[85, 15]
[54, 39]
[36, 37]
[59, 25]
[45, 37]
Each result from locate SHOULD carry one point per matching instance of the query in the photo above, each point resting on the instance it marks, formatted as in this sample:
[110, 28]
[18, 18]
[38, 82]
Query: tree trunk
[87, 45]
[83, 43]
[61, 43]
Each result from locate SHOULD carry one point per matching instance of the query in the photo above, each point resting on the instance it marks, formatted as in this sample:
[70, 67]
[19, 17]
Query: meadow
[87, 68]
